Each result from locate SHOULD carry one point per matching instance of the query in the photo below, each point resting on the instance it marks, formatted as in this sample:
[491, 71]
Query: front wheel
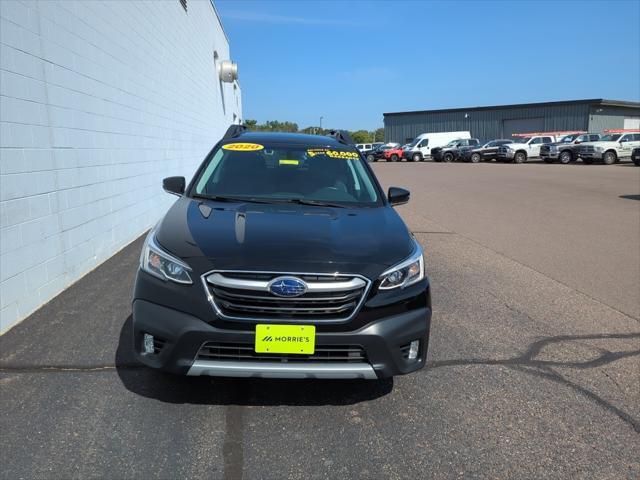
[520, 157]
[637, 162]
[394, 158]
[475, 157]
[566, 157]
[371, 158]
[609, 158]
[417, 157]
[448, 157]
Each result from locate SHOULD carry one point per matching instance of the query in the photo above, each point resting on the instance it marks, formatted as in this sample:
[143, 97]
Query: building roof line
[215, 11]
[593, 101]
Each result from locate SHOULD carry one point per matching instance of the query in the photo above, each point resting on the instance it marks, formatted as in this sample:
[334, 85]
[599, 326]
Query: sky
[351, 61]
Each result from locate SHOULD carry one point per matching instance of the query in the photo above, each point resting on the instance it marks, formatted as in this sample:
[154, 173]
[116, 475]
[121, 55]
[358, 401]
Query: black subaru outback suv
[282, 258]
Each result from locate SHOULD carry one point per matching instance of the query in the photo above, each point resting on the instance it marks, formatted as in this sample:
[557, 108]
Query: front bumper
[182, 336]
[509, 154]
[550, 155]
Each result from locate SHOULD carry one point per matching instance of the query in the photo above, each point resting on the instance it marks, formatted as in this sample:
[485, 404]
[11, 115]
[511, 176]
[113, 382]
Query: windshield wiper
[272, 201]
[317, 203]
[221, 198]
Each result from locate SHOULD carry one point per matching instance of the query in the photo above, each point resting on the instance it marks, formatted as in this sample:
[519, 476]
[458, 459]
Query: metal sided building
[487, 123]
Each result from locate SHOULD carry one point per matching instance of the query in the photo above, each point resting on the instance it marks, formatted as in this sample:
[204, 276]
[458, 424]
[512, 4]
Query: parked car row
[610, 148]
[563, 147]
[367, 147]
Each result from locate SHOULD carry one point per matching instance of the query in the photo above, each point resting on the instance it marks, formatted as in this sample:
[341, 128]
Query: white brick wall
[99, 101]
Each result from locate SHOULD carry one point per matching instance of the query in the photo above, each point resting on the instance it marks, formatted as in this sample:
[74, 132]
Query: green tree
[361, 136]
[378, 135]
[271, 126]
[251, 124]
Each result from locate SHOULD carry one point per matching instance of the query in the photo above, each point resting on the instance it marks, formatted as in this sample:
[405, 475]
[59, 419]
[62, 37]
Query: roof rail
[234, 131]
[342, 136]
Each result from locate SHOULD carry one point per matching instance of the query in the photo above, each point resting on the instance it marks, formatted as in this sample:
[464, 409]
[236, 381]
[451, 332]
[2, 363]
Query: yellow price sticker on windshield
[243, 147]
[312, 152]
[289, 162]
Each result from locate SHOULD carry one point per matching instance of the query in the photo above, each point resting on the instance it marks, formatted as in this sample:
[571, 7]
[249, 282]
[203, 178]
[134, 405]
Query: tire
[520, 157]
[637, 162]
[587, 161]
[447, 157]
[565, 157]
[475, 158]
[371, 158]
[394, 158]
[416, 157]
[610, 157]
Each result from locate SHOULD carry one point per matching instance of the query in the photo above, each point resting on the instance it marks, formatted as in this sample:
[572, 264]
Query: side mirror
[398, 196]
[174, 185]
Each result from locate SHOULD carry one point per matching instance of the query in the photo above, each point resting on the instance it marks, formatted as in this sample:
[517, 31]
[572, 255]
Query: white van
[420, 148]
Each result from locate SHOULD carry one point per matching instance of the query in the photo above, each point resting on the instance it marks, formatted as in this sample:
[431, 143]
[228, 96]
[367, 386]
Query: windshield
[522, 140]
[414, 143]
[279, 173]
[610, 138]
[452, 143]
[568, 138]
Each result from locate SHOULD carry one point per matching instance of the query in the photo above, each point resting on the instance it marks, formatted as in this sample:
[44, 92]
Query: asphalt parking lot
[532, 371]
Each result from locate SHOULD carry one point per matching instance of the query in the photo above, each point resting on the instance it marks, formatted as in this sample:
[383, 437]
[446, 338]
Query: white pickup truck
[524, 148]
[610, 148]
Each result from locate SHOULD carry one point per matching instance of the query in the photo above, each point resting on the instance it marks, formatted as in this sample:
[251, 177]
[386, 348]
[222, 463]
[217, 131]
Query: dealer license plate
[299, 339]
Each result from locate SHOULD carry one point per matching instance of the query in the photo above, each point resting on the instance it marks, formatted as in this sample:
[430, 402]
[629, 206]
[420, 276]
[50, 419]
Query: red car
[393, 154]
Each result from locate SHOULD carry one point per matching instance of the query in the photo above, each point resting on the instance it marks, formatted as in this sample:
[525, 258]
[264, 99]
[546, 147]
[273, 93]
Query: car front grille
[244, 352]
[246, 296]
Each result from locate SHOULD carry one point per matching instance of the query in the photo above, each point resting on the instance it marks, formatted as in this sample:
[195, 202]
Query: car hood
[284, 238]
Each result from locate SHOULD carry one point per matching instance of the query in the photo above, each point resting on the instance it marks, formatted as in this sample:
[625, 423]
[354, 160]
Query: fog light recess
[147, 344]
[413, 349]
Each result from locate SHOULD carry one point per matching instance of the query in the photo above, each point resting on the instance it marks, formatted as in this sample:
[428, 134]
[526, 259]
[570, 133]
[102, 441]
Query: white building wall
[99, 101]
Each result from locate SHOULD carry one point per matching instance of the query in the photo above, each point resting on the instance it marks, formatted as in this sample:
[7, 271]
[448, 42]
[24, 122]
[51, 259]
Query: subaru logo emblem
[287, 287]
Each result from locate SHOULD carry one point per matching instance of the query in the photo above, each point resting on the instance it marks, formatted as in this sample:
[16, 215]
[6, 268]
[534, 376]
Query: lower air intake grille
[404, 349]
[238, 352]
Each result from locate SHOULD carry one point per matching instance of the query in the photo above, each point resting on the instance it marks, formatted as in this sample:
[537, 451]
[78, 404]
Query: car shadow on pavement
[530, 363]
[169, 388]
[630, 197]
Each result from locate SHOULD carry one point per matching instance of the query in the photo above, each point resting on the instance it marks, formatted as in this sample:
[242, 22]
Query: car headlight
[159, 263]
[406, 273]
[599, 149]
